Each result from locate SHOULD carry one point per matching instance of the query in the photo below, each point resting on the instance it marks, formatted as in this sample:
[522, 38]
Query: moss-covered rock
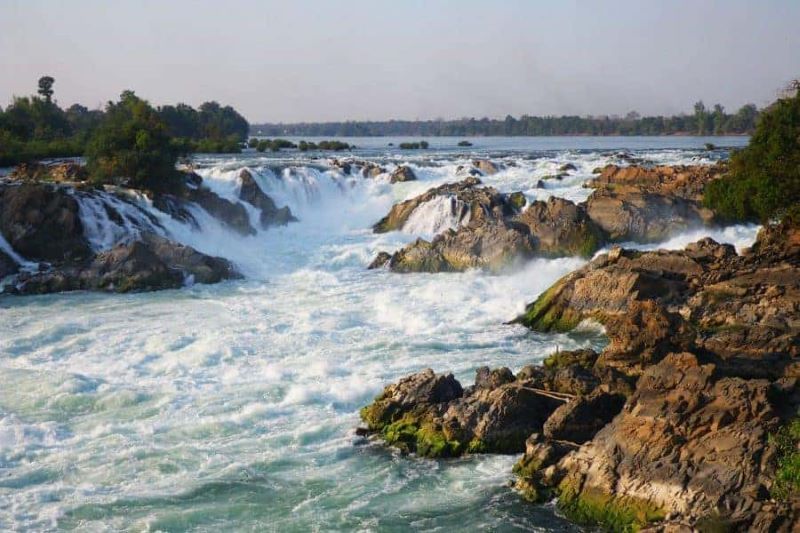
[594, 507]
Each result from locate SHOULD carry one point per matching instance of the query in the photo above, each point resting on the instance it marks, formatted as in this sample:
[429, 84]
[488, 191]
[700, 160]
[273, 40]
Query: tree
[763, 182]
[718, 119]
[46, 88]
[132, 143]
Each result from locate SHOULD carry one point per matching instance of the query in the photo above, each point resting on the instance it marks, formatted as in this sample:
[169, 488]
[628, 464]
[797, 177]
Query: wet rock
[431, 415]
[251, 193]
[380, 261]
[7, 265]
[232, 215]
[466, 192]
[486, 167]
[41, 222]
[567, 167]
[401, 174]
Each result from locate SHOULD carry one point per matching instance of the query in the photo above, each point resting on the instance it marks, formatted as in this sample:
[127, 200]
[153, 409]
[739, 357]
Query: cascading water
[232, 406]
[437, 215]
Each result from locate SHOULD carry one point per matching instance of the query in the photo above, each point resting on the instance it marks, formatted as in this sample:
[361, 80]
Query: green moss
[594, 507]
[787, 476]
[543, 315]
[589, 245]
[517, 200]
[477, 446]
[411, 434]
[584, 358]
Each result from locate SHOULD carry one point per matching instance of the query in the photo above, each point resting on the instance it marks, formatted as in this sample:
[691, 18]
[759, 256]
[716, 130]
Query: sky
[323, 60]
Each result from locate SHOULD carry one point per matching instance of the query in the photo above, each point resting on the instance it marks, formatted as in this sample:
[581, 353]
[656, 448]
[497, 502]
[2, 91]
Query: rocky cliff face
[679, 424]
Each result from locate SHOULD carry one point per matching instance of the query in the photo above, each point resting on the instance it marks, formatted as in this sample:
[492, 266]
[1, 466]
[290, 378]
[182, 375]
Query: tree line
[36, 127]
[703, 121]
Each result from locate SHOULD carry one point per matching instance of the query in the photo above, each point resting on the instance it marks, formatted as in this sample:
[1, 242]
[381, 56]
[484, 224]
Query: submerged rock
[486, 167]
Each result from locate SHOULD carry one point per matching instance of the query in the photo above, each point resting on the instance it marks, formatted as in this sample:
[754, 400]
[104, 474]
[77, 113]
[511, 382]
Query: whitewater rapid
[232, 406]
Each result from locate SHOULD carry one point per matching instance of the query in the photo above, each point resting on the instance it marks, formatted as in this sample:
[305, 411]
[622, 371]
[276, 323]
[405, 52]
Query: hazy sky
[322, 60]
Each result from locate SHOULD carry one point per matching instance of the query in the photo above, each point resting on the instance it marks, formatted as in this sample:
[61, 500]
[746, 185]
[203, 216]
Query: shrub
[131, 142]
[764, 178]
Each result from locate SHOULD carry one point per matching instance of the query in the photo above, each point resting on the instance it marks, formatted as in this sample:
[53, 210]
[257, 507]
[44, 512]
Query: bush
[764, 178]
[131, 142]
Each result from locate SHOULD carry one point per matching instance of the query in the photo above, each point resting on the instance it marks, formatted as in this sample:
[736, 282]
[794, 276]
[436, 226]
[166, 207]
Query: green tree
[763, 182]
[132, 143]
[718, 118]
[46, 87]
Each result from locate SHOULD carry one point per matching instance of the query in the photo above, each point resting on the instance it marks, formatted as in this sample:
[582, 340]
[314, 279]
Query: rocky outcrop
[495, 232]
[712, 340]
[643, 204]
[433, 415]
[148, 264]
[468, 198]
[560, 227]
[688, 419]
[401, 174]
[366, 169]
[41, 222]
[251, 193]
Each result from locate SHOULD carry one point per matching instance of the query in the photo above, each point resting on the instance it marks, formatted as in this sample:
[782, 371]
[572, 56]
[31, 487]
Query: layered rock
[643, 204]
[59, 172]
[713, 340]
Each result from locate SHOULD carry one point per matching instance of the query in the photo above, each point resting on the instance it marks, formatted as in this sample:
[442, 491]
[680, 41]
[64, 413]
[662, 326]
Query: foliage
[787, 477]
[717, 122]
[421, 145]
[35, 127]
[764, 178]
[132, 143]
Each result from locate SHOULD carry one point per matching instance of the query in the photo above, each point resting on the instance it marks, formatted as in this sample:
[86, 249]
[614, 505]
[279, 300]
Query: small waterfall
[437, 215]
[6, 248]
[109, 220]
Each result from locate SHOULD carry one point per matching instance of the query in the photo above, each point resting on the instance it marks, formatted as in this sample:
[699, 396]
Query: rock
[152, 263]
[232, 215]
[540, 184]
[366, 169]
[567, 167]
[380, 261]
[686, 443]
[496, 235]
[432, 415]
[55, 172]
[560, 228]
[401, 174]
[578, 420]
[251, 193]
[486, 167]
[42, 222]
[465, 192]
[650, 204]
[8, 266]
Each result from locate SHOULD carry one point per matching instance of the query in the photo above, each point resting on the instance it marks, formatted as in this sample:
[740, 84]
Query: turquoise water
[232, 407]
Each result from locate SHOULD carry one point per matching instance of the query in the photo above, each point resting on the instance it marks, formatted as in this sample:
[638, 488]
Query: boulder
[561, 227]
[380, 261]
[149, 264]
[486, 167]
[647, 204]
[233, 215]
[251, 193]
[42, 222]
[401, 174]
